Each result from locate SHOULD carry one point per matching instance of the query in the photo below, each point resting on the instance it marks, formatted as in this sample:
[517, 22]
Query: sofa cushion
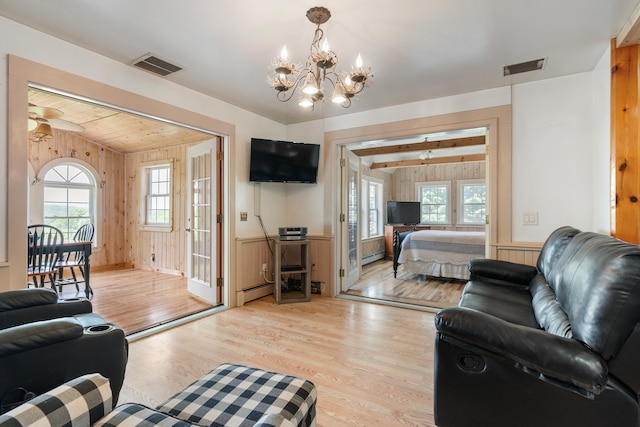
[512, 304]
[547, 309]
[597, 283]
[553, 248]
[235, 395]
[79, 402]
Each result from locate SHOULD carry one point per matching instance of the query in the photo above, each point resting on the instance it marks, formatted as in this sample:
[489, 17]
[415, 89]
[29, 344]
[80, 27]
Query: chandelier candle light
[319, 68]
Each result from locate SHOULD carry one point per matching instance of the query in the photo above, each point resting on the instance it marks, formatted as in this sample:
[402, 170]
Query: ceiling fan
[42, 119]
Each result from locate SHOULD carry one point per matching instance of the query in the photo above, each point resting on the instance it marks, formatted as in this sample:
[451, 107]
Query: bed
[437, 253]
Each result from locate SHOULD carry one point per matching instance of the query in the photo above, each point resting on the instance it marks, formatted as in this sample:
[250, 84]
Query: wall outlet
[264, 267]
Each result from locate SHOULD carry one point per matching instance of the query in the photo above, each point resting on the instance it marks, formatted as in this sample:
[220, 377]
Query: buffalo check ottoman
[230, 395]
[236, 395]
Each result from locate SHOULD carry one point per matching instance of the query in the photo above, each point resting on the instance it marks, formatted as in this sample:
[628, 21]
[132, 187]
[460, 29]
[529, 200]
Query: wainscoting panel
[521, 253]
[252, 252]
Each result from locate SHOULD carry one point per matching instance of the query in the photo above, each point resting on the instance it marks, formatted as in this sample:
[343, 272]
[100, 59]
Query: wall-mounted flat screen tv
[405, 213]
[283, 161]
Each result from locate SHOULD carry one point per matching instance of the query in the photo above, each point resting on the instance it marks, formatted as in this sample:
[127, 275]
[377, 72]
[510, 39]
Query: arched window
[69, 198]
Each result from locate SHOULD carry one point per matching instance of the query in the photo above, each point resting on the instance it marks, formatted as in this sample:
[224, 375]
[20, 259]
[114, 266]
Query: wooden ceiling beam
[630, 33]
[421, 146]
[422, 162]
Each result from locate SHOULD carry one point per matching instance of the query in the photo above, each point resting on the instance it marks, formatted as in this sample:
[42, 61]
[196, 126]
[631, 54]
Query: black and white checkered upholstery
[79, 402]
[134, 414]
[239, 396]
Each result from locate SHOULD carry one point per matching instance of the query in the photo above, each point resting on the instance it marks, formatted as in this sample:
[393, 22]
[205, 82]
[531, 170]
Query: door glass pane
[201, 219]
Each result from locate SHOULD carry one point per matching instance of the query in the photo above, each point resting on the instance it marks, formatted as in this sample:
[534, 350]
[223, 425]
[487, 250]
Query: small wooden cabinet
[388, 236]
[292, 271]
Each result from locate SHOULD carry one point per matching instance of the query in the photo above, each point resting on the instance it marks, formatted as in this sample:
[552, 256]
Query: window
[472, 202]
[69, 198]
[155, 206]
[434, 200]
[371, 207]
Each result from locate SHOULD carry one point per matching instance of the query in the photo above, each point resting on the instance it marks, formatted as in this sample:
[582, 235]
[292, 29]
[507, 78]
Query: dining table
[81, 246]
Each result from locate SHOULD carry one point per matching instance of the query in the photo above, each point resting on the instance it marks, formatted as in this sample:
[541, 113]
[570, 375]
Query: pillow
[79, 402]
[547, 309]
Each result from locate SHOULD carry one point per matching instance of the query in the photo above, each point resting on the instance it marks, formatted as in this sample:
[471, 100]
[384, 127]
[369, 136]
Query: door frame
[497, 120]
[21, 73]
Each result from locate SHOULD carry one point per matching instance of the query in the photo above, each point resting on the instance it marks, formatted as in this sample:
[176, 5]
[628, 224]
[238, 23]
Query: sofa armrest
[86, 399]
[22, 306]
[508, 273]
[42, 355]
[38, 334]
[557, 358]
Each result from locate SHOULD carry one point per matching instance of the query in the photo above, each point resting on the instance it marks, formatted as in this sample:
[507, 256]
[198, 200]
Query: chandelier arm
[321, 64]
[346, 103]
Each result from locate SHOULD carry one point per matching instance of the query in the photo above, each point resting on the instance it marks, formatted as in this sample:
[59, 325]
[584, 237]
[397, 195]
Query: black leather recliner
[45, 342]
[553, 345]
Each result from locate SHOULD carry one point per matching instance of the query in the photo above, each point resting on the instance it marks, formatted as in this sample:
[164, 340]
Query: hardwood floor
[377, 282]
[372, 364]
[137, 299]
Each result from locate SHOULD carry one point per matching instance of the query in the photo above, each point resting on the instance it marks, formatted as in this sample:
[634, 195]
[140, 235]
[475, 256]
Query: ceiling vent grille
[523, 67]
[155, 65]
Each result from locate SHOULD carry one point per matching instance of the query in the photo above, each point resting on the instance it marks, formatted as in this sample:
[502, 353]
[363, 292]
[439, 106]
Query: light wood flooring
[138, 299]
[372, 364]
[377, 282]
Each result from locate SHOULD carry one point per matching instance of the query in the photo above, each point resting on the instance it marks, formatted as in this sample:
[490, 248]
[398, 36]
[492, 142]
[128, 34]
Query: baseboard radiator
[255, 292]
[372, 257]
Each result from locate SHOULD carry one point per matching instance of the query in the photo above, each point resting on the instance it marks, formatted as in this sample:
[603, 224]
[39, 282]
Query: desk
[82, 247]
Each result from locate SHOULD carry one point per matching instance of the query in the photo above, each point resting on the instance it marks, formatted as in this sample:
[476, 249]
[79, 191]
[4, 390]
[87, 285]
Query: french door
[204, 263]
[351, 265]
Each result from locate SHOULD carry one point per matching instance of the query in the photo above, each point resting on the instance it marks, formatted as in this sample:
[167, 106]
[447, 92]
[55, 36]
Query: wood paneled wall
[169, 248]
[525, 253]
[110, 166]
[403, 183]
[251, 253]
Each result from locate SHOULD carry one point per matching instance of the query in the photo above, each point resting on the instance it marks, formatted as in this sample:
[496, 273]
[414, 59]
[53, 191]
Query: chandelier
[319, 69]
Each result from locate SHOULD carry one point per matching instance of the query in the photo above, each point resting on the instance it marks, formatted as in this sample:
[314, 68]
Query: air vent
[155, 65]
[523, 67]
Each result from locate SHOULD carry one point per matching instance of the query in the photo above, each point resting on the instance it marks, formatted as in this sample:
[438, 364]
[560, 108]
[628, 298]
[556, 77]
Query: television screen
[406, 213]
[283, 161]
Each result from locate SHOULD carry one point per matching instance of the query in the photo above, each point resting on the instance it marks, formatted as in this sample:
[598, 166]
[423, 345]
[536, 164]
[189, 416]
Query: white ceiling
[418, 49]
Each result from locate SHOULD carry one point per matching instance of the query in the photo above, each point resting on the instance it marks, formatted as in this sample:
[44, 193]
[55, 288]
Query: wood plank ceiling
[115, 129]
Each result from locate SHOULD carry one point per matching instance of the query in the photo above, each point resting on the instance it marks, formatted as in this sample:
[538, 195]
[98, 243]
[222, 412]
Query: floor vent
[523, 67]
[155, 65]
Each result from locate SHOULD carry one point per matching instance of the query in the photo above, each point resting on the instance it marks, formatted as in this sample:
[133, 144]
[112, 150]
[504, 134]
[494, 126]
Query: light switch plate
[529, 218]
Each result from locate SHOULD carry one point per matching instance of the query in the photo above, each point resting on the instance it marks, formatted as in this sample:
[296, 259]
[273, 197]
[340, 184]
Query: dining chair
[44, 242]
[76, 259]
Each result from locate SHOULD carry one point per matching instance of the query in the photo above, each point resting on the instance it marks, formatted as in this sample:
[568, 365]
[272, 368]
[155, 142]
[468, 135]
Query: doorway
[417, 152]
[66, 83]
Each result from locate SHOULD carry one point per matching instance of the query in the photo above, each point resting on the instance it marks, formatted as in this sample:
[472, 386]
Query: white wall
[554, 164]
[552, 155]
[601, 87]
[22, 41]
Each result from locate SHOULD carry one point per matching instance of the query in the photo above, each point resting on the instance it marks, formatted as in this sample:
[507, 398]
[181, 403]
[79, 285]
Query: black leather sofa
[45, 342]
[553, 345]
